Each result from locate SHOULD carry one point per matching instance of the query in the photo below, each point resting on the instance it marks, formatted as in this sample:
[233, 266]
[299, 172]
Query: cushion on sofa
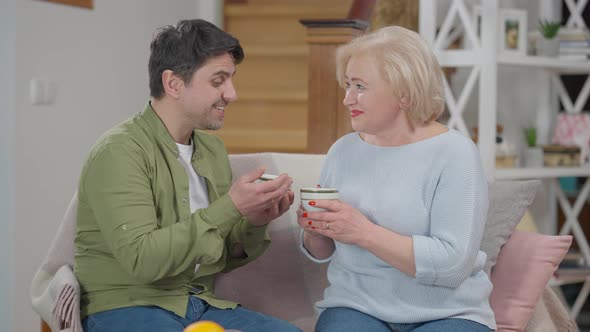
[509, 201]
[524, 266]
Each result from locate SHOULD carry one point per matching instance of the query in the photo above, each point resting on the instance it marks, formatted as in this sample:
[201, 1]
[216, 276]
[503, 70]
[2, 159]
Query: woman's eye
[360, 87]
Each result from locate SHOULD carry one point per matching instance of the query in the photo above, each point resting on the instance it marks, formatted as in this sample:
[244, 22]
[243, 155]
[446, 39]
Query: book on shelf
[574, 50]
[572, 266]
[573, 57]
[574, 43]
[567, 33]
[572, 272]
[573, 258]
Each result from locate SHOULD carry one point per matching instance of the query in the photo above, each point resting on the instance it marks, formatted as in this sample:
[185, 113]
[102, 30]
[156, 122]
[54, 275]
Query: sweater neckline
[426, 141]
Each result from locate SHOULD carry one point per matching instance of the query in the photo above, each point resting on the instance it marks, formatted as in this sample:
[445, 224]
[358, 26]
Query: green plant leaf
[549, 29]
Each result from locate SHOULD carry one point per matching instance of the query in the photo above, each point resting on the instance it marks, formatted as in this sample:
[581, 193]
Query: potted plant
[530, 134]
[548, 44]
[533, 155]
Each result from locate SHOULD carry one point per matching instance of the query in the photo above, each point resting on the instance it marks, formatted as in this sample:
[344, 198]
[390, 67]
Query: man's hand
[262, 202]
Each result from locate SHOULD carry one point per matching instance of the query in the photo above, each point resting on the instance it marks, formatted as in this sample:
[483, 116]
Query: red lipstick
[355, 113]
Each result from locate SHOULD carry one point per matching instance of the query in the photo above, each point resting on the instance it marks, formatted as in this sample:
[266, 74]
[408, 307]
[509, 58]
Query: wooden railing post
[327, 117]
[45, 327]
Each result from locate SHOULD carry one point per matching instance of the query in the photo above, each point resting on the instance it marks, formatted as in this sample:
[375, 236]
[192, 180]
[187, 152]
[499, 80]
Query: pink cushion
[524, 266]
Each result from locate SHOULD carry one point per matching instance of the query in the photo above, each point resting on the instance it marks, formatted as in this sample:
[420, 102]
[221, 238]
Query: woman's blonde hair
[407, 64]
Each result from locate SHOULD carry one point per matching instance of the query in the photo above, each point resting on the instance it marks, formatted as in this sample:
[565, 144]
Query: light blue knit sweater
[433, 190]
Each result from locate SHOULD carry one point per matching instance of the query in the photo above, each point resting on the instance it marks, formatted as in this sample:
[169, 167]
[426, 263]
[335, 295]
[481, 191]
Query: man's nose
[230, 93]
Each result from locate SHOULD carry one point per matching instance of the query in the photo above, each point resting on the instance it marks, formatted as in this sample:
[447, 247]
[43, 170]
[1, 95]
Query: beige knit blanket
[55, 292]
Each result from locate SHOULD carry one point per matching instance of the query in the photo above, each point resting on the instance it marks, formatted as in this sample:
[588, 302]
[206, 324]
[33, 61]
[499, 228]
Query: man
[158, 216]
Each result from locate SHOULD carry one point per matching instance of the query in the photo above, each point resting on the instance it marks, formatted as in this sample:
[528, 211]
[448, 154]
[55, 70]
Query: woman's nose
[349, 98]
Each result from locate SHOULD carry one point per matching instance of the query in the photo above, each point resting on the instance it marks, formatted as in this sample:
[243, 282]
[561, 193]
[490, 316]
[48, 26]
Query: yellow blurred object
[527, 223]
[204, 326]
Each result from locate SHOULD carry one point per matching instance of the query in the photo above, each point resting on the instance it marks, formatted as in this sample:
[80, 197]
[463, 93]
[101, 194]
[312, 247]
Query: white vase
[533, 157]
[548, 47]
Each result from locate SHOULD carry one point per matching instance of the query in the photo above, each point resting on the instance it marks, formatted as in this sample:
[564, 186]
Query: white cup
[316, 194]
[266, 177]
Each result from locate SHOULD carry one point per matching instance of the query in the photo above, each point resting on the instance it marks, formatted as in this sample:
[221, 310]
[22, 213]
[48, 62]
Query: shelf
[540, 173]
[566, 280]
[545, 62]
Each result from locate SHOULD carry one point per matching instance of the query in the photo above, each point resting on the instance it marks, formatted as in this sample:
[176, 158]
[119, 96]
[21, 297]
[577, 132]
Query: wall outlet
[42, 91]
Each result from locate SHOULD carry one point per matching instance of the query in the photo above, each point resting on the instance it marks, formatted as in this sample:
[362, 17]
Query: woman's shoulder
[459, 153]
[345, 142]
[456, 142]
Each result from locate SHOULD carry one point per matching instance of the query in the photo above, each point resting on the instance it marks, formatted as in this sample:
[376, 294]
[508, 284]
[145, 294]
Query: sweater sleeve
[458, 213]
[116, 186]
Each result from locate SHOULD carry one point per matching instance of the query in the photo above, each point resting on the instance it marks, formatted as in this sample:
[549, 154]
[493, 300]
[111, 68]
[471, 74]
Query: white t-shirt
[197, 185]
[199, 197]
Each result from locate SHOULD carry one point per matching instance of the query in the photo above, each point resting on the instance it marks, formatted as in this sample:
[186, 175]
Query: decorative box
[555, 155]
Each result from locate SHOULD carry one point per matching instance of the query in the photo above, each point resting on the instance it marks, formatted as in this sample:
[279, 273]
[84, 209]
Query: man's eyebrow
[223, 73]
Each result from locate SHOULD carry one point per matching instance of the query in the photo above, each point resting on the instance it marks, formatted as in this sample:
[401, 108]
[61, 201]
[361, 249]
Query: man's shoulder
[129, 134]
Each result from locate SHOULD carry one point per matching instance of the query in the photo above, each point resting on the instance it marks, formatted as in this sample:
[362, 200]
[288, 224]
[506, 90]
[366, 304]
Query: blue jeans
[346, 319]
[151, 318]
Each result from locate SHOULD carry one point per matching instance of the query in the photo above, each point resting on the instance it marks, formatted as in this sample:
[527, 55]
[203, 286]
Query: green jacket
[137, 242]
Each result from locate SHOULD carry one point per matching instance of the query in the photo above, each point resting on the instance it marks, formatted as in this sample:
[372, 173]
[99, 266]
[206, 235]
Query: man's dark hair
[184, 48]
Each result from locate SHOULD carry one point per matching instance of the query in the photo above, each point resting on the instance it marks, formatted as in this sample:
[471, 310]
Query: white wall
[210, 10]
[98, 60]
[7, 34]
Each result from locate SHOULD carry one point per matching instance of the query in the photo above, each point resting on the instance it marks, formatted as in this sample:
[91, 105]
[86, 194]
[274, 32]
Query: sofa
[284, 283]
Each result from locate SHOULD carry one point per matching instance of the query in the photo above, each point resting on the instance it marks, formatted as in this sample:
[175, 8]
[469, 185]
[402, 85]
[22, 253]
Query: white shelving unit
[483, 60]
[540, 173]
[547, 63]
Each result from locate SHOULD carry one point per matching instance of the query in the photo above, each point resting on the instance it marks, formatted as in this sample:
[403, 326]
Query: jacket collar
[162, 134]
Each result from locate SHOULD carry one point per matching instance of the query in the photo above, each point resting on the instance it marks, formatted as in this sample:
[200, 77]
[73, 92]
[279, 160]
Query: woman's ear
[173, 84]
[404, 103]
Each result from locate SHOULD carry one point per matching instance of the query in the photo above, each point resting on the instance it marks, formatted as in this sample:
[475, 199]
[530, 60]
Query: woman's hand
[345, 224]
[319, 246]
[341, 222]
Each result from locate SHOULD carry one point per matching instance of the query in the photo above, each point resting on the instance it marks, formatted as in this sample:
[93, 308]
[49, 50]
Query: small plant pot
[533, 157]
[548, 47]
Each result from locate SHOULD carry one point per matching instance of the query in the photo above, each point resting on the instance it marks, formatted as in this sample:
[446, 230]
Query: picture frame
[476, 14]
[88, 4]
[513, 32]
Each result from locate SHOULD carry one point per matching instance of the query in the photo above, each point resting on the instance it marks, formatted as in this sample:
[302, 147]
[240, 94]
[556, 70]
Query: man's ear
[173, 84]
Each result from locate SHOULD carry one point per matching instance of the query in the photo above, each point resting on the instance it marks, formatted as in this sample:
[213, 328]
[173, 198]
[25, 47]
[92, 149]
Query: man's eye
[360, 87]
[217, 83]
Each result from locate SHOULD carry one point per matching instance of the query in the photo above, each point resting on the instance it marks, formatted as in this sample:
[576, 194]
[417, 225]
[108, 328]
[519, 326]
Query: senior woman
[403, 241]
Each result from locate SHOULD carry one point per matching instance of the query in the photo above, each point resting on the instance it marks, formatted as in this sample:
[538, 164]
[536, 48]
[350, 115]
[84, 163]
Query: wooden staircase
[272, 82]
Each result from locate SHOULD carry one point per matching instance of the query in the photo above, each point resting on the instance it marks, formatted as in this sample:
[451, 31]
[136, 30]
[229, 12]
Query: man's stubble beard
[215, 126]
